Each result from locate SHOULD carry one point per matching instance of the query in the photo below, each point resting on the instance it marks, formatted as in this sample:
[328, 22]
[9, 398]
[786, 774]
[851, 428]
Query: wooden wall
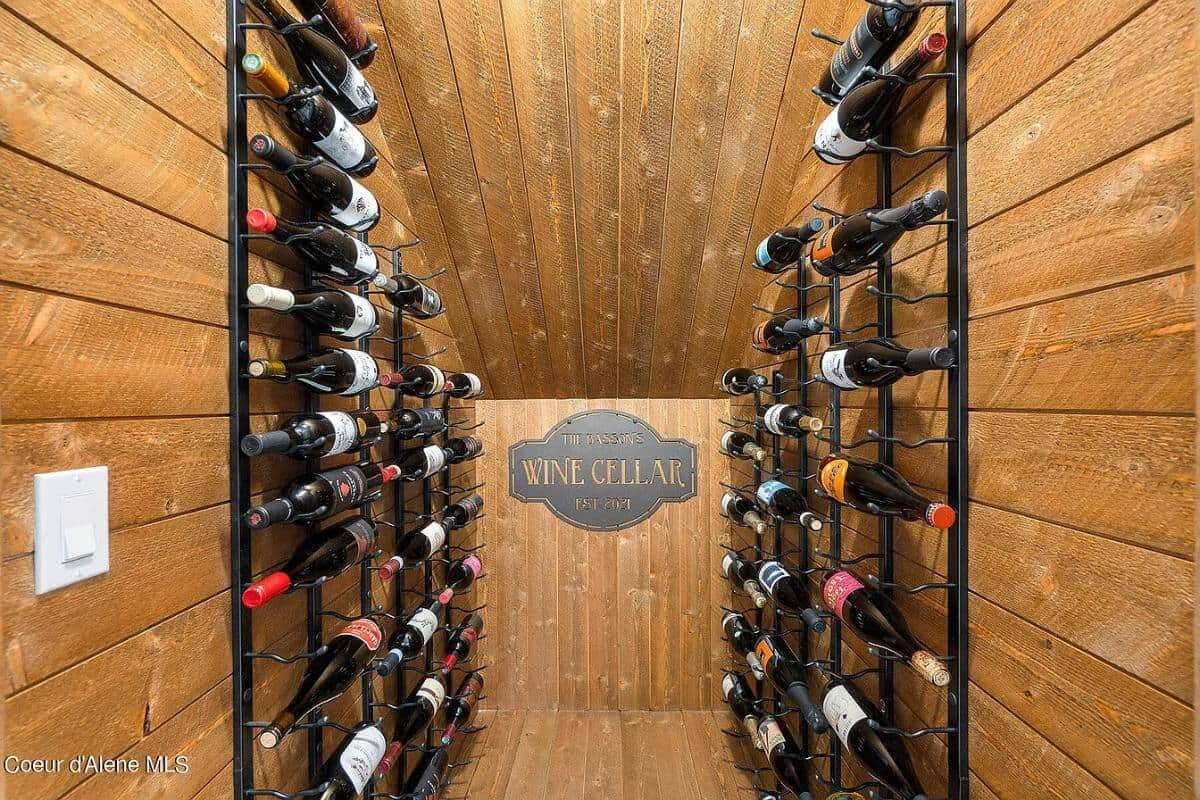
[113, 350]
[580, 620]
[1082, 306]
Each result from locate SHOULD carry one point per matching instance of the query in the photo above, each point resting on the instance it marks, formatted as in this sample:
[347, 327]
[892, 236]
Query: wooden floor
[605, 755]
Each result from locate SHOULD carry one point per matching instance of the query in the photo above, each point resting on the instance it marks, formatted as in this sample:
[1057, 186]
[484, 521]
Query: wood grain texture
[603, 621]
[609, 755]
[592, 48]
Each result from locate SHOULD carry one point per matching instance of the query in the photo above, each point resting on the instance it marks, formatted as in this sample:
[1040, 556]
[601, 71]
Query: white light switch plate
[70, 541]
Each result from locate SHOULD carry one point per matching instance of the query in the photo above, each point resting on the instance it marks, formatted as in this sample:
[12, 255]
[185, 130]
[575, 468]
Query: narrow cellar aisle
[601, 755]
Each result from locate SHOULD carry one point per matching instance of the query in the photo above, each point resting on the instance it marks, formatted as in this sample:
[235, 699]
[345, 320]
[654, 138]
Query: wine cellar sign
[602, 470]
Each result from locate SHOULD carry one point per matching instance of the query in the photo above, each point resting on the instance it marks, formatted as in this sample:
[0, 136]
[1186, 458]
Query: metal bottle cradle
[827, 765]
[242, 572]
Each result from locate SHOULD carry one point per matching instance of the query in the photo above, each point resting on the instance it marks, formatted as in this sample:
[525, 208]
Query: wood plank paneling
[604, 621]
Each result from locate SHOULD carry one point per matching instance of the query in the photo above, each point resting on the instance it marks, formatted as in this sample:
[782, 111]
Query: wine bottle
[874, 618]
[332, 252]
[742, 512]
[323, 184]
[410, 639]
[411, 423]
[413, 716]
[778, 335]
[321, 495]
[410, 294]
[322, 555]
[782, 419]
[784, 248]
[741, 574]
[743, 703]
[867, 110]
[881, 753]
[786, 503]
[463, 448]
[460, 706]
[860, 240]
[326, 311]
[878, 489]
[736, 444]
[786, 758]
[459, 577]
[879, 362]
[463, 385]
[740, 380]
[346, 773]
[878, 33]
[425, 780]
[462, 513]
[326, 371]
[459, 645]
[418, 380]
[416, 463]
[315, 119]
[328, 675]
[742, 638]
[325, 64]
[321, 433]
[789, 592]
[413, 548]
[786, 672]
[341, 24]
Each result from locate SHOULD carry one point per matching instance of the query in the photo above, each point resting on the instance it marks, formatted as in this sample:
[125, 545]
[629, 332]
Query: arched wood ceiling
[596, 175]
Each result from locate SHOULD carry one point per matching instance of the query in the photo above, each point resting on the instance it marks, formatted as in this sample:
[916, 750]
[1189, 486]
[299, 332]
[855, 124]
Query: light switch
[70, 527]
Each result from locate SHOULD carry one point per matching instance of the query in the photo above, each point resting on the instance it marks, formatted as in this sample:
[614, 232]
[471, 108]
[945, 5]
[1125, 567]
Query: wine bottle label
[435, 534]
[433, 691]
[755, 667]
[365, 319]
[727, 503]
[770, 734]
[367, 263]
[727, 564]
[356, 89]
[764, 651]
[761, 257]
[349, 486]
[848, 60]
[834, 141]
[771, 573]
[833, 368]
[842, 711]
[362, 207]
[366, 372]
[424, 622]
[725, 440]
[771, 418]
[823, 249]
[474, 386]
[471, 505]
[366, 631]
[833, 478]
[345, 431]
[364, 536]
[728, 685]
[344, 144]
[766, 491]
[428, 302]
[362, 755]
[838, 587]
[435, 459]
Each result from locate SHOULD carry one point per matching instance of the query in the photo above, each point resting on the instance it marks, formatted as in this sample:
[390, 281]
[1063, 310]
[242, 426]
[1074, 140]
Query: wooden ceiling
[595, 175]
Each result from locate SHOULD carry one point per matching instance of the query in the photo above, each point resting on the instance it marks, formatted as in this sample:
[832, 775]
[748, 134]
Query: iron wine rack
[245, 655]
[827, 765]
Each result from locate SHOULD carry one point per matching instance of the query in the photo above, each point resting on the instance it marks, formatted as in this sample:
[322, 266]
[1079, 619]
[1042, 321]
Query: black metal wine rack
[242, 571]
[826, 764]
